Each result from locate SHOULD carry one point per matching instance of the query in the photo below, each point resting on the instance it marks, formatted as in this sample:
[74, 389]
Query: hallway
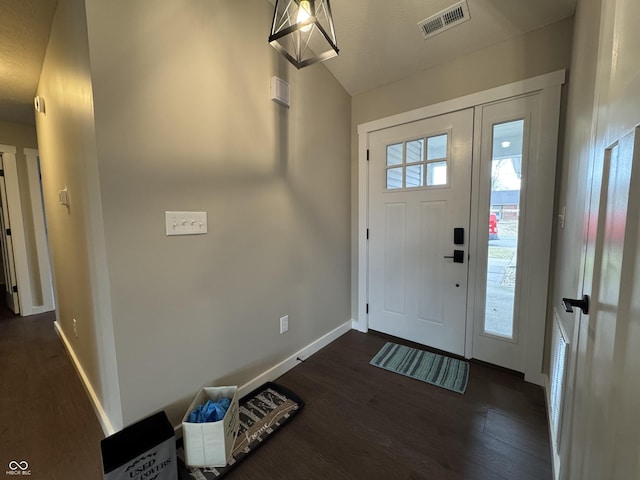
[496, 430]
[46, 418]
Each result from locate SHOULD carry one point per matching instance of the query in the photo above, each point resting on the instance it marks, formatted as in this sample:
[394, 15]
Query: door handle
[582, 304]
[458, 256]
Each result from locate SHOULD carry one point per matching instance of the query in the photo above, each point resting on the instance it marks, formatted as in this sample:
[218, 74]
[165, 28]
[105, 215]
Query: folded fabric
[210, 411]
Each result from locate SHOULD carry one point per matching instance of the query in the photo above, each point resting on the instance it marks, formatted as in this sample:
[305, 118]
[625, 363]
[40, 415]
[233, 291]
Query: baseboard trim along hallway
[103, 418]
[291, 361]
[267, 376]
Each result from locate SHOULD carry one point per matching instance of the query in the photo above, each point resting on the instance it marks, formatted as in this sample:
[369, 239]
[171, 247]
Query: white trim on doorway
[27, 275]
[14, 207]
[550, 85]
[503, 92]
[40, 232]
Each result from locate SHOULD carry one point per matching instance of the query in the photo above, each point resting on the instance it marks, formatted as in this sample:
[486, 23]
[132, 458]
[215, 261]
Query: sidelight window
[504, 226]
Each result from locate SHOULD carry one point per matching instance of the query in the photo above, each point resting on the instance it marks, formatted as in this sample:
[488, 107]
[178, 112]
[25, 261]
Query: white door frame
[549, 85]
[14, 207]
[40, 231]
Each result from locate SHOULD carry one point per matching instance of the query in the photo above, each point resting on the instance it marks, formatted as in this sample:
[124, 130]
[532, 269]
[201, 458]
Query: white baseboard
[107, 428]
[536, 379]
[555, 458]
[34, 310]
[291, 361]
[288, 363]
[267, 376]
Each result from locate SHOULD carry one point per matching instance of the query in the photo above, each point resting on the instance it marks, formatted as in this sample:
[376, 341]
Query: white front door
[411, 199]
[419, 192]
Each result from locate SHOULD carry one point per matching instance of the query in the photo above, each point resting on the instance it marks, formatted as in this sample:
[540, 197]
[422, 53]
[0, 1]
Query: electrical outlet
[75, 327]
[284, 324]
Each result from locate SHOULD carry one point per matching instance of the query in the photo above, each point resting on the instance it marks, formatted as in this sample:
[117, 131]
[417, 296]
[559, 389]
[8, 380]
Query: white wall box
[211, 444]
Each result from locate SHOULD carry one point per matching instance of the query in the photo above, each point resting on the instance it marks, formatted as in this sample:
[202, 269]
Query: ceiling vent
[444, 20]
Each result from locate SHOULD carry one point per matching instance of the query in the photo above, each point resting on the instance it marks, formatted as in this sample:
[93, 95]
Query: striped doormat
[445, 372]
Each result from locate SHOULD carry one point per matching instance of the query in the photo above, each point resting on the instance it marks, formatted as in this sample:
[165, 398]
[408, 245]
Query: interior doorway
[28, 281]
[11, 296]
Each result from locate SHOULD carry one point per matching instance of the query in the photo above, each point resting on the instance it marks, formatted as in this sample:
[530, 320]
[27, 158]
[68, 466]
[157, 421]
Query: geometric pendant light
[302, 31]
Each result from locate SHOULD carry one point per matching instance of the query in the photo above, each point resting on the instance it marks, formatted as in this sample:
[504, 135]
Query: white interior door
[419, 192]
[11, 292]
[606, 403]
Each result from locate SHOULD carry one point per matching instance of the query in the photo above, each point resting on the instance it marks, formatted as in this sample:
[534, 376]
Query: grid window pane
[394, 154]
[437, 173]
[415, 150]
[417, 163]
[394, 178]
[414, 176]
[437, 147]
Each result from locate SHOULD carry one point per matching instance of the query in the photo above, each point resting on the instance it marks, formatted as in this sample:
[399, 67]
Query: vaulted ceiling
[379, 40]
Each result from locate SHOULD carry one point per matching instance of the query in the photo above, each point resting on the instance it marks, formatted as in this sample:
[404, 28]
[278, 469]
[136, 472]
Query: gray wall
[68, 158]
[184, 121]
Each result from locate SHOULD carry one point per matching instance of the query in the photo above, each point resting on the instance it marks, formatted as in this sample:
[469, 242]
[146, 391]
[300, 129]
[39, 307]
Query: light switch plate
[186, 223]
[63, 197]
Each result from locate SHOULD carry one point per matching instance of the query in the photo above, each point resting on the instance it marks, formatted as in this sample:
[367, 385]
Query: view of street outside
[501, 279]
[506, 176]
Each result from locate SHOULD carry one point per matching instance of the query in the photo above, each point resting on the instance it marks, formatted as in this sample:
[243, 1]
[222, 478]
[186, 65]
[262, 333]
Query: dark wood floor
[46, 418]
[360, 422]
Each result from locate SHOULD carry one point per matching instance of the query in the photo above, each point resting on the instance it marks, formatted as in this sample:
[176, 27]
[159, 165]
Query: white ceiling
[379, 40]
[24, 33]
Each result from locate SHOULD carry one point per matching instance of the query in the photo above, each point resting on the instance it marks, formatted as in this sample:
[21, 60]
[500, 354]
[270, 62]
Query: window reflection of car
[493, 227]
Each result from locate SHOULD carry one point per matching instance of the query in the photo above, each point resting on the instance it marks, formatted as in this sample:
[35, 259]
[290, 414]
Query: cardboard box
[210, 444]
[146, 449]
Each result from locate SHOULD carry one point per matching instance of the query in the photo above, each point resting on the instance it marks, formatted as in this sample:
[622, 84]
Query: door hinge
[9, 231]
[367, 234]
[1, 173]
[367, 154]
[15, 289]
[367, 308]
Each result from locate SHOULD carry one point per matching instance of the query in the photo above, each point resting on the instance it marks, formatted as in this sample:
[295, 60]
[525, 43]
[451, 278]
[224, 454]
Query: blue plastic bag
[210, 411]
